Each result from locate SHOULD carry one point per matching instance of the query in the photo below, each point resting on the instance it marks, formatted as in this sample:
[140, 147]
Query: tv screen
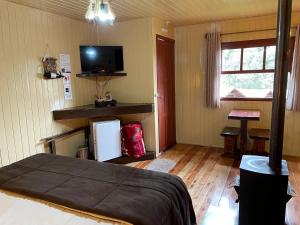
[101, 59]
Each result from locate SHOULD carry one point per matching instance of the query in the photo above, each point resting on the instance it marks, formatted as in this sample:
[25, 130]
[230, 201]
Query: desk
[244, 115]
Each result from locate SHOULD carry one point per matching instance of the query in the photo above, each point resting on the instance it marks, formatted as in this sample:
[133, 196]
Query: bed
[92, 193]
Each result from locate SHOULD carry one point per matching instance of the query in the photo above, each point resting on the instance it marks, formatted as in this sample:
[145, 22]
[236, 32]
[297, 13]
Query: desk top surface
[90, 111]
[244, 114]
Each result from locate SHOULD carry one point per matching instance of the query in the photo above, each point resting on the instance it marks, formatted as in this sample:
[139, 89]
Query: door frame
[170, 40]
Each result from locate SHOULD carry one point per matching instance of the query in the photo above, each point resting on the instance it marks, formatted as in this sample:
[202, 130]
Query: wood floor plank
[190, 177]
[229, 195]
[143, 164]
[189, 168]
[176, 153]
[293, 206]
[211, 194]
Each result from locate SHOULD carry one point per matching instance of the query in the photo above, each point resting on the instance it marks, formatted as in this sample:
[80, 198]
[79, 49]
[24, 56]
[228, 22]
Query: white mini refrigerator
[106, 139]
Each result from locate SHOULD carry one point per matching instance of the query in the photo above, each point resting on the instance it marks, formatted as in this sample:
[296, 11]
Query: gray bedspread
[133, 195]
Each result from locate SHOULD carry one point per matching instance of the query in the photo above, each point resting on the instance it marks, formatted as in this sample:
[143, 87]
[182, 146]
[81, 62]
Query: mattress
[17, 209]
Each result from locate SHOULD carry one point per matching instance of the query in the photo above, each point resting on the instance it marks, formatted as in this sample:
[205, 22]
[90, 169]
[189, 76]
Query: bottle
[53, 75]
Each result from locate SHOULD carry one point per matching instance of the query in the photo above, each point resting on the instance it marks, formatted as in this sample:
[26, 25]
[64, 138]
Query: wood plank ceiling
[179, 12]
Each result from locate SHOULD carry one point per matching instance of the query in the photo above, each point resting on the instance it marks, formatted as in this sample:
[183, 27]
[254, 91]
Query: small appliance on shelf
[105, 101]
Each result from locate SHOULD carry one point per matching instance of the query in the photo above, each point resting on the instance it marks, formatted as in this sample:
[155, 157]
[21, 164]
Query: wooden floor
[208, 176]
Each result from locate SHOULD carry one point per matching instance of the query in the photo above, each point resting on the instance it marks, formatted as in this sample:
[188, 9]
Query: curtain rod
[250, 31]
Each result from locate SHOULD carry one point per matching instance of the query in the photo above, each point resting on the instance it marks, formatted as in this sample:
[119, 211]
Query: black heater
[263, 183]
[263, 192]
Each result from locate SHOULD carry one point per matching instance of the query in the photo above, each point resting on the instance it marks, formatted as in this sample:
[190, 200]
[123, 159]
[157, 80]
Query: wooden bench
[259, 136]
[230, 135]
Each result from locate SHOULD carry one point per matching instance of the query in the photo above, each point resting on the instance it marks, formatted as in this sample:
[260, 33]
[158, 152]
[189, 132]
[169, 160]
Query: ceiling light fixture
[99, 10]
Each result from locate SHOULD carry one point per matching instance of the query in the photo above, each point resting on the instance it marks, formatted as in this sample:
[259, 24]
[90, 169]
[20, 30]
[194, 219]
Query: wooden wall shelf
[101, 74]
[90, 111]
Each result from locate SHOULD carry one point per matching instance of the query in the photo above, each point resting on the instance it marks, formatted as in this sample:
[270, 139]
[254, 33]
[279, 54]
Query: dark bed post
[280, 82]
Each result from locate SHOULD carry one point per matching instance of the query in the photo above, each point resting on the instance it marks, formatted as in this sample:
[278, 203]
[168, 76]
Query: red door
[166, 91]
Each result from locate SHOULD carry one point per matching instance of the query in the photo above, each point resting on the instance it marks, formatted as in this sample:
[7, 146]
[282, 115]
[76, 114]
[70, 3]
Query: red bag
[132, 140]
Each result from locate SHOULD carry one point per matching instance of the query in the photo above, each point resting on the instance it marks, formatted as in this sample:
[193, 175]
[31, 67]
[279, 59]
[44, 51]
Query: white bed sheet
[19, 210]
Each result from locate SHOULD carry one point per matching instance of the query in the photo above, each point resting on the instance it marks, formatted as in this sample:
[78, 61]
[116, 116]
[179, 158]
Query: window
[248, 69]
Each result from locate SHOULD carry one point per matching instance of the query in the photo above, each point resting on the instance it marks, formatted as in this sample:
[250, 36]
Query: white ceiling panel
[179, 12]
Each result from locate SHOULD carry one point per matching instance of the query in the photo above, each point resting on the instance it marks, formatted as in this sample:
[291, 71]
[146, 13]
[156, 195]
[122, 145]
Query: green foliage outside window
[248, 84]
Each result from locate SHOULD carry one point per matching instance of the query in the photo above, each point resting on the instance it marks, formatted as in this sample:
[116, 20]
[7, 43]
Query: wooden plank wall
[197, 124]
[26, 100]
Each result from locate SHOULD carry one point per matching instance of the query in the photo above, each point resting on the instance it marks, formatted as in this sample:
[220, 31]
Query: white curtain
[213, 70]
[293, 99]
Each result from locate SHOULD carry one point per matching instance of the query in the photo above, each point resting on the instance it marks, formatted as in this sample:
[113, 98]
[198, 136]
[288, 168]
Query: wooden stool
[230, 135]
[259, 136]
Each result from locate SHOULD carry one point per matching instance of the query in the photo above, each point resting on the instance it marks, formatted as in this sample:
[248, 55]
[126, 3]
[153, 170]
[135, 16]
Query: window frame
[252, 44]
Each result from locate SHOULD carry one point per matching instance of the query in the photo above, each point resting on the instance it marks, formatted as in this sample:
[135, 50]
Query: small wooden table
[244, 115]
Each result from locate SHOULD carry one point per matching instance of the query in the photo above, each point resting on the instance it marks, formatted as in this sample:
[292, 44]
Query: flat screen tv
[101, 59]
